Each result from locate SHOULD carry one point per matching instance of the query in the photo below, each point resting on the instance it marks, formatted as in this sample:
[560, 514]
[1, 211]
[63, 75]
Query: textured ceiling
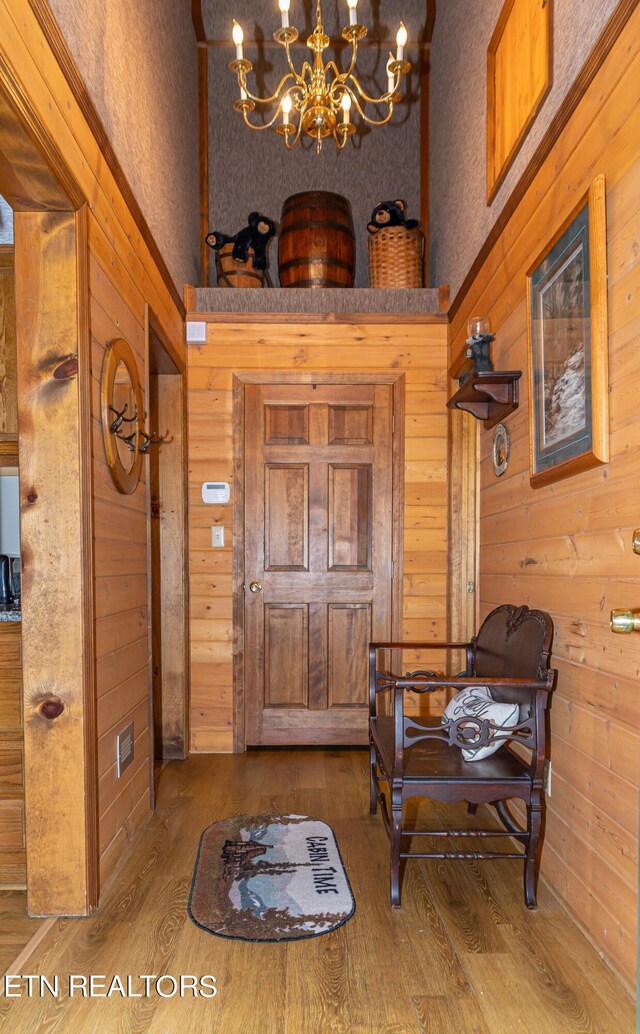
[260, 18]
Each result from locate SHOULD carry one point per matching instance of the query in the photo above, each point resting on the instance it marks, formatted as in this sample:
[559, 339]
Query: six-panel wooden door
[318, 557]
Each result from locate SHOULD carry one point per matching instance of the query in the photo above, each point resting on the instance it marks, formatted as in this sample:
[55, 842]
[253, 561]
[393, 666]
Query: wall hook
[151, 439]
[120, 418]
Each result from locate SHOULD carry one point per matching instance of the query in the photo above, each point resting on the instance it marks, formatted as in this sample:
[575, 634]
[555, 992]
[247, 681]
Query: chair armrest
[425, 684]
[419, 646]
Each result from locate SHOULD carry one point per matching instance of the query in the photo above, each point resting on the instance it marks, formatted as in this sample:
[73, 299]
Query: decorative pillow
[477, 702]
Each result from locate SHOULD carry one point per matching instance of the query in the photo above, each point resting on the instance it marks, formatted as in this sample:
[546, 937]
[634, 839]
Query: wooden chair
[418, 757]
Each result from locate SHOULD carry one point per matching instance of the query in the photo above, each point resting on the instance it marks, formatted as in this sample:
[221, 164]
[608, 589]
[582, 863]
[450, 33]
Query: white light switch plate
[217, 536]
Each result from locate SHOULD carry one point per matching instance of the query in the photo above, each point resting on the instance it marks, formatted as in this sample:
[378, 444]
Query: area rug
[269, 878]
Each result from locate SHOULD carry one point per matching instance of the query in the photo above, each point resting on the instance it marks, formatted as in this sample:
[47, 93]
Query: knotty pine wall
[567, 547]
[419, 351]
[122, 278]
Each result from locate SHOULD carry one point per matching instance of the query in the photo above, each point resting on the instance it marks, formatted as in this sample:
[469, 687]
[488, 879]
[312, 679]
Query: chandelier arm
[384, 98]
[290, 146]
[352, 64]
[265, 125]
[371, 121]
[242, 82]
[298, 77]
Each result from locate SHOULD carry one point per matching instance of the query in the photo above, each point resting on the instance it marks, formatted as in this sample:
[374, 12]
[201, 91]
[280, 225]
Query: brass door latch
[627, 621]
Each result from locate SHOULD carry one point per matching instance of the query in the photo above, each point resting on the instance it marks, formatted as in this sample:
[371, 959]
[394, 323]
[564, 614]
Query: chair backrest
[513, 642]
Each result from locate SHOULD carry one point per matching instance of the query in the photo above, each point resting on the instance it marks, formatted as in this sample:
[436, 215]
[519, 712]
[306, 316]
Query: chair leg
[396, 838]
[534, 817]
[472, 808]
[373, 789]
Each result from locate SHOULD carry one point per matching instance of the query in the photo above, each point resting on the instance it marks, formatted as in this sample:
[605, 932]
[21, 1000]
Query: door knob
[255, 586]
[636, 541]
[625, 621]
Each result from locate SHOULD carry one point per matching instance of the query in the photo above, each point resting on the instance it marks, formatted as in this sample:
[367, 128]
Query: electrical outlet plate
[124, 749]
[217, 536]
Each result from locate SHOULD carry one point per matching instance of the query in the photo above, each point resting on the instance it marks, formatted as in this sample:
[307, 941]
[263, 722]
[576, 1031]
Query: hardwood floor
[16, 929]
[463, 955]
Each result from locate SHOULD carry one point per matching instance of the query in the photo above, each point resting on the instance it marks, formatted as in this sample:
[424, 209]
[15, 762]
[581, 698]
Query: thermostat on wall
[215, 492]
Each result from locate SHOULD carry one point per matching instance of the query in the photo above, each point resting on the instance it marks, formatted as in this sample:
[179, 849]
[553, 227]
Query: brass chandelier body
[317, 101]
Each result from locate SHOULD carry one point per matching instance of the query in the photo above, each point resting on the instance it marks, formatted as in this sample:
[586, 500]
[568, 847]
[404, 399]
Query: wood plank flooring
[16, 928]
[463, 955]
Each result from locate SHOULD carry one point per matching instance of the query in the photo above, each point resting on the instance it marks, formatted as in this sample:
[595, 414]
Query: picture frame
[568, 346]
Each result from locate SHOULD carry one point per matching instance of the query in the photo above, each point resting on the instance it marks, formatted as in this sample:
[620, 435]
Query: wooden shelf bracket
[488, 395]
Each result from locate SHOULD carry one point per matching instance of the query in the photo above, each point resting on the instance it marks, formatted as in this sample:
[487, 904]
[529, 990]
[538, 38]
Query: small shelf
[489, 395]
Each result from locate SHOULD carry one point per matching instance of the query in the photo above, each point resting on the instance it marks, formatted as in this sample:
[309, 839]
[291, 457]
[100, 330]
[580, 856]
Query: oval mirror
[122, 416]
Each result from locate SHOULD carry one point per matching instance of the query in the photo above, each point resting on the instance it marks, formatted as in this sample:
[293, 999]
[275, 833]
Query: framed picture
[568, 346]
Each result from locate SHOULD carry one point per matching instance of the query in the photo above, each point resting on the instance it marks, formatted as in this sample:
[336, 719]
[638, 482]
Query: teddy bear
[256, 236]
[390, 213]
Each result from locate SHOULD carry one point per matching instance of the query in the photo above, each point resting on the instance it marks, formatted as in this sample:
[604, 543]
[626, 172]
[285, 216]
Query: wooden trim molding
[203, 148]
[58, 44]
[198, 21]
[598, 55]
[347, 318]
[54, 386]
[34, 174]
[85, 448]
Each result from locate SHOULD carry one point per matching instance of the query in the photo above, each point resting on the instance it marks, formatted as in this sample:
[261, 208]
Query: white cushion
[477, 702]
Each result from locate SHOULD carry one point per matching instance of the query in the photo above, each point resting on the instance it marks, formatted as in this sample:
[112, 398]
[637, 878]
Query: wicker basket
[395, 257]
[237, 274]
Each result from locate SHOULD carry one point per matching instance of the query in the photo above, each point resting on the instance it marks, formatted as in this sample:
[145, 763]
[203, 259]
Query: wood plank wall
[13, 861]
[123, 276]
[567, 547]
[418, 350]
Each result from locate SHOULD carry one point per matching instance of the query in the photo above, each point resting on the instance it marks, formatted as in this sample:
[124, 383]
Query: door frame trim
[155, 327]
[242, 378]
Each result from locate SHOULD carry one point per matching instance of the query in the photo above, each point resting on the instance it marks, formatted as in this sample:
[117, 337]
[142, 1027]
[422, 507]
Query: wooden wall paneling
[51, 258]
[8, 376]
[125, 273]
[215, 411]
[566, 547]
[13, 862]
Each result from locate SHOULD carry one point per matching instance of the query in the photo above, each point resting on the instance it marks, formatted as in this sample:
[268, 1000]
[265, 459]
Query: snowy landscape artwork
[560, 349]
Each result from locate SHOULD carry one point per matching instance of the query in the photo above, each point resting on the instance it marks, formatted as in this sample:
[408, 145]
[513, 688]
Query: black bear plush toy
[256, 235]
[390, 213]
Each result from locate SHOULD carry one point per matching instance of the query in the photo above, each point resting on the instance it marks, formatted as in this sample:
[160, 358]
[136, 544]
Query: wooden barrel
[316, 247]
[237, 274]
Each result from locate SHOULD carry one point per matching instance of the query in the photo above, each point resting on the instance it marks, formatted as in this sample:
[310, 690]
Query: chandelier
[317, 100]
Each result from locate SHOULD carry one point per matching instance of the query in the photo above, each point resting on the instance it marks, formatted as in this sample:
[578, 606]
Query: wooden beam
[198, 21]
[424, 72]
[57, 582]
[25, 180]
[203, 137]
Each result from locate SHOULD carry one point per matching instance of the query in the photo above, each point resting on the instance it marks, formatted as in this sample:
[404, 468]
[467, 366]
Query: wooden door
[318, 552]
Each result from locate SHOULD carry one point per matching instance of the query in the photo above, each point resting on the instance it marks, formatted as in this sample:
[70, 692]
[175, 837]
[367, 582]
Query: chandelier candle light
[317, 101]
